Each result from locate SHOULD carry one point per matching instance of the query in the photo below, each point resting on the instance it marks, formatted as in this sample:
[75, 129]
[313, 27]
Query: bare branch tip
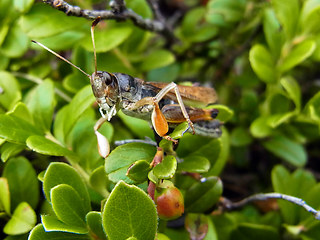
[96, 21]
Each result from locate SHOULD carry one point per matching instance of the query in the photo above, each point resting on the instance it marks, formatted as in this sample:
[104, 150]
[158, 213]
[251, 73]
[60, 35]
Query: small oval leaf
[197, 164]
[166, 169]
[298, 54]
[68, 205]
[62, 173]
[156, 59]
[138, 171]
[138, 216]
[202, 195]
[22, 221]
[288, 150]
[45, 146]
[262, 63]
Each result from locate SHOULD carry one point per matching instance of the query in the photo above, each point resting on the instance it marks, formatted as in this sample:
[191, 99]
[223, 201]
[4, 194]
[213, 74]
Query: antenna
[62, 58]
[95, 22]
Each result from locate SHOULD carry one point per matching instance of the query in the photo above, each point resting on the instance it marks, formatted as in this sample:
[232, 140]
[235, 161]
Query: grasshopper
[164, 105]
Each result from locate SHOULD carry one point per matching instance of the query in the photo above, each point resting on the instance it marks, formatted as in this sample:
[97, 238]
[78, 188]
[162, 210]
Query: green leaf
[202, 195]
[212, 232]
[240, 137]
[166, 169]
[287, 12]
[194, 29]
[23, 182]
[309, 17]
[260, 128]
[39, 233]
[4, 196]
[293, 89]
[167, 74]
[247, 231]
[161, 236]
[16, 42]
[107, 39]
[94, 221]
[20, 110]
[6, 11]
[297, 184]
[138, 126]
[140, 7]
[297, 55]
[138, 216]
[280, 177]
[61, 173]
[278, 119]
[312, 108]
[16, 130]
[11, 90]
[70, 114]
[74, 82]
[99, 180]
[224, 151]
[311, 197]
[83, 141]
[80, 102]
[22, 221]
[156, 59]
[121, 158]
[51, 223]
[288, 150]
[4, 62]
[179, 130]
[138, 171]
[153, 178]
[68, 206]
[64, 40]
[9, 150]
[262, 63]
[44, 21]
[272, 31]
[195, 164]
[115, 61]
[210, 150]
[45, 146]
[22, 5]
[225, 12]
[41, 104]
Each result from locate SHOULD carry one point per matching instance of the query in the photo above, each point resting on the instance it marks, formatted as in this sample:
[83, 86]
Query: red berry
[170, 204]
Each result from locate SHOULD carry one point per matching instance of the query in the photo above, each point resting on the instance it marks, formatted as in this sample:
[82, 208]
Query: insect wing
[192, 96]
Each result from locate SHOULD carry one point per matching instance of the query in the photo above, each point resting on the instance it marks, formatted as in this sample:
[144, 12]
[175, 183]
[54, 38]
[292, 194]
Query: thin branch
[154, 5]
[146, 141]
[228, 205]
[118, 12]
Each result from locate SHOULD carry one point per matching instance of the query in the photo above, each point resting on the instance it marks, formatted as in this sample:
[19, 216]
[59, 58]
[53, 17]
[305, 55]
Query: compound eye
[108, 79]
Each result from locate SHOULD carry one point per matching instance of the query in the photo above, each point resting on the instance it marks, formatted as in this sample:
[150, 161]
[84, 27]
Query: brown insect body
[118, 91]
[164, 105]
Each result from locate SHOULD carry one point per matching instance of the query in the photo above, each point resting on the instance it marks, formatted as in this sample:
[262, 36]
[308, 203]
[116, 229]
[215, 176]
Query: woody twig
[118, 12]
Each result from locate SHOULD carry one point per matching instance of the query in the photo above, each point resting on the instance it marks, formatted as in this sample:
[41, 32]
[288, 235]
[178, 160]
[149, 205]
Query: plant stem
[228, 205]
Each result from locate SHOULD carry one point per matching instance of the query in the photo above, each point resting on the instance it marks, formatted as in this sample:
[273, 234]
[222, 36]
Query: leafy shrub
[261, 57]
